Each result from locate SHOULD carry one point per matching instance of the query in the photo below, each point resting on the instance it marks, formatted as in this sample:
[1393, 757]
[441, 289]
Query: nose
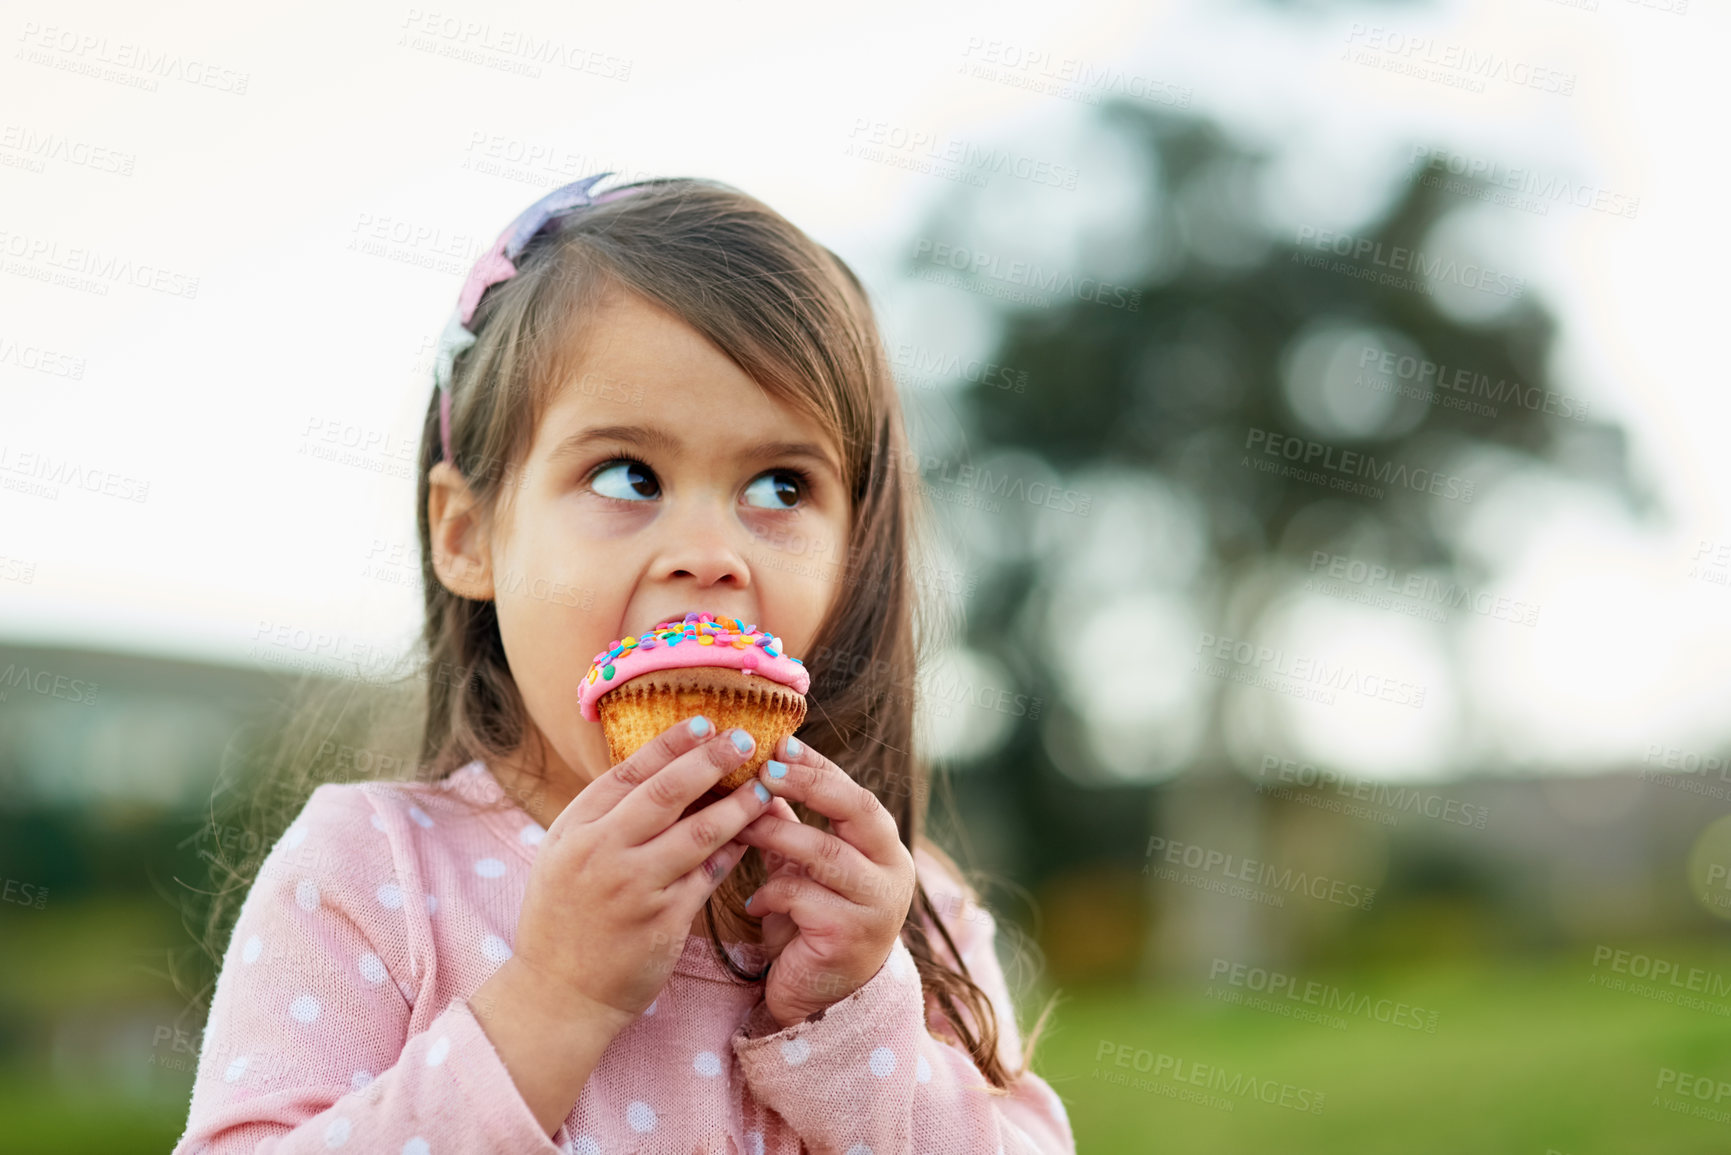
[702, 542]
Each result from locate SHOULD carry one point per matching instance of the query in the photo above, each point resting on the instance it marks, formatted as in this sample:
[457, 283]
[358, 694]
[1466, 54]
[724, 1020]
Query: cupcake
[730, 672]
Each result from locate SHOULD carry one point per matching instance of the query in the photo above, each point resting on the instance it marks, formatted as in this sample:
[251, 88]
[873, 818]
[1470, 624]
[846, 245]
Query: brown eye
[625, 480]
[777, 489]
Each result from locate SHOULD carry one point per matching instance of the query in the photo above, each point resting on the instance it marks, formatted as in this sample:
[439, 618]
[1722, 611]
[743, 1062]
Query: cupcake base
[648, 704]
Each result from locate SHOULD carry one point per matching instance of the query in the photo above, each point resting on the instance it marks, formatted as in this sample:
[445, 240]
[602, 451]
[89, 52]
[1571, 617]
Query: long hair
[796, 320]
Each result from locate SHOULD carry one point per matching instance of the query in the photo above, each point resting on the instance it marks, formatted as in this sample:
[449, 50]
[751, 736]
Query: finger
[779, 808]
[658, 801]
[778, 863]
[604, 793]
[855, 813]
[821, 855]
[815, 908]
[688, 842]
[698, 883]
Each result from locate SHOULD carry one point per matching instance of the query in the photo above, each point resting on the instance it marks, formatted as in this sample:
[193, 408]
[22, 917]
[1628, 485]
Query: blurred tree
[1245, 336]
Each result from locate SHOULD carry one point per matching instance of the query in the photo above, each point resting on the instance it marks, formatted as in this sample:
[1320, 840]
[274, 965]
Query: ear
[462, 551]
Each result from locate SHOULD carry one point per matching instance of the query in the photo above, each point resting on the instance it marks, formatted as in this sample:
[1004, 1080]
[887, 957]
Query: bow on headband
[493, 267]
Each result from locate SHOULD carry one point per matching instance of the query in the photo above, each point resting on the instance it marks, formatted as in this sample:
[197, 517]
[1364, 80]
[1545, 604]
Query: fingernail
[762, 791]
[743, 742]
[748, 901]
[777, 769]
[794, 747]
[701, 726]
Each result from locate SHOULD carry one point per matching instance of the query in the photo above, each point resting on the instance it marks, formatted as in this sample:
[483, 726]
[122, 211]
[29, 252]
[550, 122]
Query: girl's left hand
[834, 902]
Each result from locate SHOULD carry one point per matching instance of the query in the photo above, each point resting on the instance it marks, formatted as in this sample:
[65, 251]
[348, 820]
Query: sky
[298, 196]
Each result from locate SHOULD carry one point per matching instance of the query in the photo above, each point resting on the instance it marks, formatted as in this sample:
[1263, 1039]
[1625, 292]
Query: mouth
[680, 615]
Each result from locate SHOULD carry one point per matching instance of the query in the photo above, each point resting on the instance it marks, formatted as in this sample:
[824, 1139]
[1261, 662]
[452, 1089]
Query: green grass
[44, 1117]
[1524, 1059]
[71, 968]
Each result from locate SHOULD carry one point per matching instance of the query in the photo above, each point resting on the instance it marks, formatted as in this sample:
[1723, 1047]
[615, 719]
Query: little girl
[658, 400]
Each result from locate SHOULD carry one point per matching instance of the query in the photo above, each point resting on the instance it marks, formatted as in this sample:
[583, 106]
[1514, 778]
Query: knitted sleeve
[868, 1078]
[307, 1047]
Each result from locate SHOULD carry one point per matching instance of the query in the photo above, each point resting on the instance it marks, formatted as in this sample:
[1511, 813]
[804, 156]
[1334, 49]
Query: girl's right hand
[620, 875]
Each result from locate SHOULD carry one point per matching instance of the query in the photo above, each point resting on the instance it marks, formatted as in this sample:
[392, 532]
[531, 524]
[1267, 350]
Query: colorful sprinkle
[705, 629]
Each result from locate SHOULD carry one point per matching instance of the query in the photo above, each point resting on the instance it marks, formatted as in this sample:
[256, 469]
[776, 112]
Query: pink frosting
[675, 644]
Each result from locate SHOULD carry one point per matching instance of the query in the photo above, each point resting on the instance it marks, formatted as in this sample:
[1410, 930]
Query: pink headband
[495, 266]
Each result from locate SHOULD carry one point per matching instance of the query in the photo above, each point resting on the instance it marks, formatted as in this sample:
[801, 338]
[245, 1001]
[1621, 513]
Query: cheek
[550, 569]
[802, 582]
[550, 612]
[538, 645]
[548, 645]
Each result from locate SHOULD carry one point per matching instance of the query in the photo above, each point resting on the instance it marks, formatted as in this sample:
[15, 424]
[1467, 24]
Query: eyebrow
[653, 437]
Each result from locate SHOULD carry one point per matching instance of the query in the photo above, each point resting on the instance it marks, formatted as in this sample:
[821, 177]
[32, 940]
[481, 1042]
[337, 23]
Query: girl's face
[661, 480]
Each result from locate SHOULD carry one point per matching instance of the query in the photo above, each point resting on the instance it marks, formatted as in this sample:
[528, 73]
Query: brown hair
[796, 319]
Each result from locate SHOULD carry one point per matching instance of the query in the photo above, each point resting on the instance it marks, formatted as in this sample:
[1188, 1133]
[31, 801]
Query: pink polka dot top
[340, 1017]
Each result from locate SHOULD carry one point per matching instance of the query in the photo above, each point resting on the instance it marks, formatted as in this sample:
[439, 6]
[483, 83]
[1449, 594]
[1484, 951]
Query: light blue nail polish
[743, 742]
[762, 791]
[748, 901]
[777, 769]
[794, 747]
[701, 726]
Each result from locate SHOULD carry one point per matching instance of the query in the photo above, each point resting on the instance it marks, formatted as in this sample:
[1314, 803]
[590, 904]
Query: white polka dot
[432, 904]
[923, 1070]
[650, 1009]
[422, 819]
[795, 1051]
[754, 1143]
[584, 1145]
[372, 968]
[531, 835]
[417, 1146]
[489, 868]
[235, 1070]
[641, 1116]
[361, 1080]
[391, 896]
[307, 894]
[249, 953]
[437, 1052]
[883, 1061]
[707, 1064]
[294, 836]
[337, 1133]
[378, 821]
[305, 1009]
[859, 1149]
[495, 948]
